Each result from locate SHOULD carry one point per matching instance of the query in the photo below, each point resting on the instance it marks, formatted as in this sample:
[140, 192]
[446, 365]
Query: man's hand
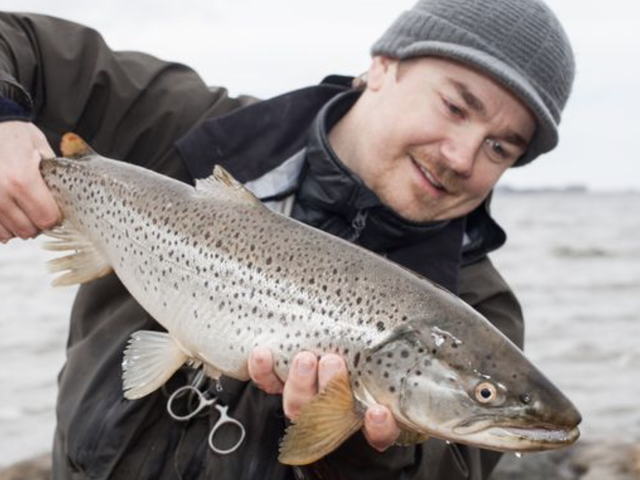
[308, 376]
[26, 204]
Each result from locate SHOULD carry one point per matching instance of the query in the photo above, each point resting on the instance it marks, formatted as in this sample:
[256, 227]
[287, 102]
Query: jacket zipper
[358, 223]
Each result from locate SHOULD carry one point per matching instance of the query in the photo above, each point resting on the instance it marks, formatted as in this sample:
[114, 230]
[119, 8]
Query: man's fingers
[380, 428]
[5, 235]
[301, 385]
[38, 205]
[261, 370]
[329, 366]
[16, 222]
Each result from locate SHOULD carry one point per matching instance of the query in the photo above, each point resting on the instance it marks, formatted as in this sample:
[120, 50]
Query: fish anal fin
[410, 437]
[323, 425]
[220, 178]
[86, 263]
[150, 359]
[74, 147]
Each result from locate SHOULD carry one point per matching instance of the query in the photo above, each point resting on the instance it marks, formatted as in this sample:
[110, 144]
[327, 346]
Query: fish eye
[486, 392]
[526, 398]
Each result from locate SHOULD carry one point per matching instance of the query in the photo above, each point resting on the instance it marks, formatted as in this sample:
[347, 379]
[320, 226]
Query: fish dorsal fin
[323, 425]
[219, 180]
[74, 147]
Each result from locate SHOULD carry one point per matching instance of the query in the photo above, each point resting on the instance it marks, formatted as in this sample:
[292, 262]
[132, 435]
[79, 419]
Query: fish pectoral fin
[150, 359]
[74, 147]
[410, 437]
[323, 425]
[85, 264]
[222, 182]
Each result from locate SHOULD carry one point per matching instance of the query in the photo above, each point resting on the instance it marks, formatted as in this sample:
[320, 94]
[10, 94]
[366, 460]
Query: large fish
[223, 274]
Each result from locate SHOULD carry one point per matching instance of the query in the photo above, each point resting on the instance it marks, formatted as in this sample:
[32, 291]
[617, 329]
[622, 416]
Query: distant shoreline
[571, 189]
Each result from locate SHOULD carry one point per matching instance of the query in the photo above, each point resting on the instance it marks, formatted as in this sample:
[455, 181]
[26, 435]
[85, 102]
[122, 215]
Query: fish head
[468, 385]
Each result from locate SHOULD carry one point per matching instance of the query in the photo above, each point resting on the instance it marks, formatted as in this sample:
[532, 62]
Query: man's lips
[429, 177]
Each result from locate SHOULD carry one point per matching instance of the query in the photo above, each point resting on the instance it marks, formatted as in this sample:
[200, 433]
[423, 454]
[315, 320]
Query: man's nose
[460, 154]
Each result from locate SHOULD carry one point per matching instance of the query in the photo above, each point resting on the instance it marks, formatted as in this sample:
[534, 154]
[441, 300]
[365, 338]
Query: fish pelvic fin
[85, 264]
[221, 181]
[150, 359]
[323, 425]
[410, 437]
[74, 147]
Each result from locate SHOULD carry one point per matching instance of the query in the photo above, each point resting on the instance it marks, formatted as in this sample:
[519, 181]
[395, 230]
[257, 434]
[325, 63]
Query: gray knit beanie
[520, 43]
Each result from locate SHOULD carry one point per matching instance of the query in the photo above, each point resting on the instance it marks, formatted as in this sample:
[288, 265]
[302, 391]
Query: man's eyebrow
[473, 102]
[515, 139]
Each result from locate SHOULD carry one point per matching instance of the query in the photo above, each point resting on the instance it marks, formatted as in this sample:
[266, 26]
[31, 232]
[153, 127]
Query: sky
[265, 48]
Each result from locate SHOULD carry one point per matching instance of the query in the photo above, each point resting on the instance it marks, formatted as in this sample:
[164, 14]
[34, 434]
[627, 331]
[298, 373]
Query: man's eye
[497, 148]
[454, 109]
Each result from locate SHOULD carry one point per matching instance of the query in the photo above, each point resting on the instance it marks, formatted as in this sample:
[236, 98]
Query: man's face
[433, 136]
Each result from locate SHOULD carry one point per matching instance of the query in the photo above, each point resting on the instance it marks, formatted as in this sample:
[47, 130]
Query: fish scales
[223, 274]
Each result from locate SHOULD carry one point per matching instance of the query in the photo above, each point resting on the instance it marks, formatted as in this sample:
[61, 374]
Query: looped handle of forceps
[225, 419]
[203, 402]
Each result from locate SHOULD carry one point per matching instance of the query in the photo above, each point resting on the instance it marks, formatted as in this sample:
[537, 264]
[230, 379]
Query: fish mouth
[512, 438]
[514, 435]
[534, 438]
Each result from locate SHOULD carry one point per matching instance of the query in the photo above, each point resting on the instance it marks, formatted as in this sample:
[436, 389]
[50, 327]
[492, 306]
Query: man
[457, 92]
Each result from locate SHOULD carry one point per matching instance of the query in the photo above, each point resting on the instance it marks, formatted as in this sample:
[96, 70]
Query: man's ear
[379, 71]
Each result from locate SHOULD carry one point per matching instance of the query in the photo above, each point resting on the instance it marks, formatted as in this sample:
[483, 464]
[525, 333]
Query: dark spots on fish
[356, 383]
[489, 357]
[404, 354]
[454, 345]
[392, 389]
[426, 362]
[385, 374]
[356, 360]
[514, 376]
[418, 373]
[434, 351]
[390, 355]
[379, 362]
[380, 326]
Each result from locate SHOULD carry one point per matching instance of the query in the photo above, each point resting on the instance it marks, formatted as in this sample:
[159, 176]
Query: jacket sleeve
[127, 105]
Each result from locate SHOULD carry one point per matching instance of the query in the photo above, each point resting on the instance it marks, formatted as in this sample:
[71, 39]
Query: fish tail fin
[86, 263]
[150, 359]
[74, 147]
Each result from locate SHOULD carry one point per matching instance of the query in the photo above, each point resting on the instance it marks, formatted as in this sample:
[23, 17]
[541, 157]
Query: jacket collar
[329, 189]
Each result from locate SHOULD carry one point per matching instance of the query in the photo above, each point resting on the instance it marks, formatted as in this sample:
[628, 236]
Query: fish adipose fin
[221, 181]
[323, 425]
[150, 359]
[84, 265]
[74, 147]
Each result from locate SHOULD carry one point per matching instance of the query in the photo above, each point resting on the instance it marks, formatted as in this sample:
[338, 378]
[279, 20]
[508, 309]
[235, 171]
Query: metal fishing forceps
[197, 400]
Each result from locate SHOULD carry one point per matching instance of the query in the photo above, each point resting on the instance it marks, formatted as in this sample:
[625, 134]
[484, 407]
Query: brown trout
[223, 274]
